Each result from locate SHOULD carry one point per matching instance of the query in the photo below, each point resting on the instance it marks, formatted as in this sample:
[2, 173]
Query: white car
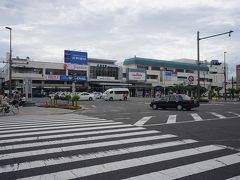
[84, 96]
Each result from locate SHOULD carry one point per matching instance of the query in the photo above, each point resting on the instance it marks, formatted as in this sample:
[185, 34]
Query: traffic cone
[46, 104]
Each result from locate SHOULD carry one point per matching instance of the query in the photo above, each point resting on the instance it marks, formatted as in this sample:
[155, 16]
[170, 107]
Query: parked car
[178, 101]
[86, 96]
[97, 95]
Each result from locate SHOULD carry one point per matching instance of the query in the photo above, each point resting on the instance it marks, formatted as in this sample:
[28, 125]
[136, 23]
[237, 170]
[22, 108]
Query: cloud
[120, 29]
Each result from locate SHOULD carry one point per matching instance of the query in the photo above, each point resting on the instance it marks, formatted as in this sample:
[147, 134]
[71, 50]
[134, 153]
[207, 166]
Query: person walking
[16, 99]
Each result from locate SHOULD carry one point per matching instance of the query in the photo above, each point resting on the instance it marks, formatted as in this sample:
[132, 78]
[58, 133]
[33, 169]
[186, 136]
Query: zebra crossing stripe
[191, 169]
[196, 117]
[58, 127]
[218, 115]
[81, 157]
[49, 142]
[63, 130]
[131, 128]
[171, 119]
[234, 178]
[142, 121]
[83, 146]
[123, 164]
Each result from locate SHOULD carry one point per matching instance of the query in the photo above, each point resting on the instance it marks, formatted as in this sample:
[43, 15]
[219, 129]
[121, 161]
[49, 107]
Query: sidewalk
[35, 110]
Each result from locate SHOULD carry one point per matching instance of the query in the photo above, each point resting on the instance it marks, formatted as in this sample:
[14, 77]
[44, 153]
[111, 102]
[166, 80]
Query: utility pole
[10, 63]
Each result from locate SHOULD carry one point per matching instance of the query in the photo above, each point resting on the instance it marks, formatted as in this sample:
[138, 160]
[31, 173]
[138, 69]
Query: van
[116, 94]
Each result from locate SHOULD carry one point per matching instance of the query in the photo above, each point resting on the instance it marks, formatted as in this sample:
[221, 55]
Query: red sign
[238, 67]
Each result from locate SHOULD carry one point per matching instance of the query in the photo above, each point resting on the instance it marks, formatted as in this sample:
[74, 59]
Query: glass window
[172, 98]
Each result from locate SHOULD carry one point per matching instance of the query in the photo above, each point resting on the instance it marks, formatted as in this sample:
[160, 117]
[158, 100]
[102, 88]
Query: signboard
[75, 57]
[190, 78]
[105, 78]
[70, 78]
[168, 75]
[136, 75]
[75, 67]
[53, 77]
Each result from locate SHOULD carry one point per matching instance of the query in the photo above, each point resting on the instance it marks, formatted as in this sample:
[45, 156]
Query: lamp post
[198, 55]
[10, 62]
[225, 75]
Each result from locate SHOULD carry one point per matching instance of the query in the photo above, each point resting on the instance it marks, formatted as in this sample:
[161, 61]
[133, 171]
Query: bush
[203, 100]
[75, 99]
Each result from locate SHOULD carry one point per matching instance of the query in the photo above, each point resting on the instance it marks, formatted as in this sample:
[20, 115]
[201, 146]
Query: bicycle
[5, 110]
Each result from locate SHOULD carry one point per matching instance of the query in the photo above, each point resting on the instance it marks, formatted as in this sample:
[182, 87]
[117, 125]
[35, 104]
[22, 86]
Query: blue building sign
[70, 78]
[75, 57]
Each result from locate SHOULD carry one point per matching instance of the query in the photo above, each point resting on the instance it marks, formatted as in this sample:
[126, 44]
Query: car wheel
[188, 109]
[154, 106]
[90, 99]
[110, 99]
[179, 107]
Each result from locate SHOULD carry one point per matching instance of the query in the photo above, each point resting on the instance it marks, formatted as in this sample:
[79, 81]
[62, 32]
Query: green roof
[163, 63]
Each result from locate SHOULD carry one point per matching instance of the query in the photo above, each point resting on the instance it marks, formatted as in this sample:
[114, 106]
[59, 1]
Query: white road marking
[234, 178]
[80, 157]
[63, 129]
[94, 106]
[83, 146]
[49, 142]
[196, 117]
[147, 112]
[140, 161]
[120, 118]
[171, 119]
[194, 168]
[234, 113]
[131, 128]
[142, 121]
[218, 115]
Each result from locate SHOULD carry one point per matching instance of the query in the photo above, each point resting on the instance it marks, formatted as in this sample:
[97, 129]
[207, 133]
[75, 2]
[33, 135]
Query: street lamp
[10, 62]
[198, 55]
[225, 75]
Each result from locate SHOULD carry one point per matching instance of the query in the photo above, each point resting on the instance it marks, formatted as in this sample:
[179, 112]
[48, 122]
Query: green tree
[75, 99]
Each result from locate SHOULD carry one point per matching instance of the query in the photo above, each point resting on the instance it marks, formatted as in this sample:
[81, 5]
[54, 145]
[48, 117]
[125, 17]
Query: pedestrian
[5, 103]
[16, 99]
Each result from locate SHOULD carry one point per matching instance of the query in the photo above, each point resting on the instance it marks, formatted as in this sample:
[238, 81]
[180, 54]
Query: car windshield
[185, 97]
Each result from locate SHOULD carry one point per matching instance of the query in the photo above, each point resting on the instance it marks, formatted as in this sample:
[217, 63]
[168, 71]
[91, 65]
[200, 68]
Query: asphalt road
[215, 122]
[122, 140]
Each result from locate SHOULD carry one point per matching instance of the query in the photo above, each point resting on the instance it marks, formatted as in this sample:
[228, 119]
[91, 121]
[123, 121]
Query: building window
[36, 81]
[103, 71]
[124, 75]
[155, 68]
[55, 72]
[189, 71]
[54, 82]
[181, 78]
[152, 76]
[142, 67]
[179, 70]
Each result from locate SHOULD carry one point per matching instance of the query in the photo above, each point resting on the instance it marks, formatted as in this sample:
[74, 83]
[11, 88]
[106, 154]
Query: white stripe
[57, 127]
[49, 142]
[234, 178]
[194, 168]
[81, 157]
[171, 119]
[234, 113]
[84, 146]
[142, 121]
[140, 161]
[218, 115]
[132, 128]
[51, 125]
[63, 130]
[120, 118]
[196, 117]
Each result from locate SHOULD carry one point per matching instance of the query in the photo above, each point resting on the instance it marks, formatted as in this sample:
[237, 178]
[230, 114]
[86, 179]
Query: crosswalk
[173, 118]
[74, 146]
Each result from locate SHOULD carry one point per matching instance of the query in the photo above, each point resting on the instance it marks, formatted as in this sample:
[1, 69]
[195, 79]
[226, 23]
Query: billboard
[75, 57]
[136, 75]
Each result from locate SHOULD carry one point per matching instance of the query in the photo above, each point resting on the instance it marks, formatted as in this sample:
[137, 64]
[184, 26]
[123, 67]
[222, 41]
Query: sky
[121, 29]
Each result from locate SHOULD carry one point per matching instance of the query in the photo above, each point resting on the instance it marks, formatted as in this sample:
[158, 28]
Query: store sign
[77, 67]
[136, 75]
[168, 73]
[70, 78]
[190, 78]
[75, 57]
[53, 77]
[105, 78]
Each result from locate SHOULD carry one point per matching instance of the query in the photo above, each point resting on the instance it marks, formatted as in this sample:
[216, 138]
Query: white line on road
[120, 118]
[142, 121]
[81, 157]
[128, 163]
[218, 115]
[196, 117]
[83, 146]
[234, 113]
[171, 119]
[191, 169]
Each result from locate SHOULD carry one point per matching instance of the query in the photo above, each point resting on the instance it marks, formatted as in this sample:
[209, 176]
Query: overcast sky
[121, 29]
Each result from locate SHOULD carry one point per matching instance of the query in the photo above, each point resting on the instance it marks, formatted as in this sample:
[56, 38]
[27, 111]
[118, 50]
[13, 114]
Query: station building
[140, 75]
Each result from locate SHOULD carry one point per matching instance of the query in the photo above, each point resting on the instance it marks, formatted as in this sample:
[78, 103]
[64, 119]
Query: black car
[178, 101]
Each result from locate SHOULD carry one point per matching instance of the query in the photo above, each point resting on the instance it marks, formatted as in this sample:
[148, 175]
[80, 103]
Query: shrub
[75, 99]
